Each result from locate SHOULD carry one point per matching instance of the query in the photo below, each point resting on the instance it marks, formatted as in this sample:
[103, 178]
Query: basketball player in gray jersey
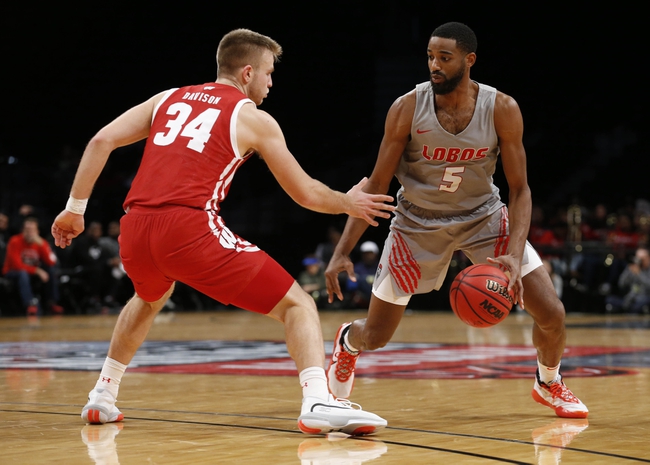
[442, 141]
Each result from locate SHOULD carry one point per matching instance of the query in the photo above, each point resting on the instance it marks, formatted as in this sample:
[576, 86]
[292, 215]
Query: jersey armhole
[233, 126]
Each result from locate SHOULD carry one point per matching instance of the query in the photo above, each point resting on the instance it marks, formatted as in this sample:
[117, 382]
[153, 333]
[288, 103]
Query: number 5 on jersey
[450, 179]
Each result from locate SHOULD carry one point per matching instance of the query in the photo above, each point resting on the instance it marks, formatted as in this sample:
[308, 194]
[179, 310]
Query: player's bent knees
[295, 301]
[551, 318]
[155, 306]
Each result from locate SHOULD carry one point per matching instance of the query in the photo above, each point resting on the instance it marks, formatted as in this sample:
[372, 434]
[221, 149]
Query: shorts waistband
[154, 210]
[426, 214]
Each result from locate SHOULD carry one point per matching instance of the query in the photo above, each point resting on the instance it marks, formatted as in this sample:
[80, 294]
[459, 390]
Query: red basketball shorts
[159, 246]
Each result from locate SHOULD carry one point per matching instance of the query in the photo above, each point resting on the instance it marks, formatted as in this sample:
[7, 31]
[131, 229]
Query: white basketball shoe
[101, 408]
[320, 417]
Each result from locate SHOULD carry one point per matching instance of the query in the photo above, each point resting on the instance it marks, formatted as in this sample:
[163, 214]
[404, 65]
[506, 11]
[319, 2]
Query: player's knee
[295, 303]
[552, 317]
[303, 300]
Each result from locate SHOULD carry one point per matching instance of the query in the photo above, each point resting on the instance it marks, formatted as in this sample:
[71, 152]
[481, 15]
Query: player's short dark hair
[461, 33]
[243, 47]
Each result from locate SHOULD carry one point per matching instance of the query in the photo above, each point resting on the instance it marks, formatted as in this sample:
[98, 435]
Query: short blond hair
[243, 47]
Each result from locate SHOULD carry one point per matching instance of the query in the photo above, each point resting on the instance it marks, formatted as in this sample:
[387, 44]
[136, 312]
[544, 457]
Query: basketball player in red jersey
[442, 141]
[197, 137]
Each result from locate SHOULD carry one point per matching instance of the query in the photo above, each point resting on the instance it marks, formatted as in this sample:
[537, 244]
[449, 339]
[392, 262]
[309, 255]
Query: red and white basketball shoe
[558, 397]
[340, 373]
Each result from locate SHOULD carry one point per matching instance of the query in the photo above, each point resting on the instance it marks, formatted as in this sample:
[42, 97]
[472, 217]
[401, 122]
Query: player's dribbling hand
[513, 268]
[369, 206]
[66, 227]
[337, 264]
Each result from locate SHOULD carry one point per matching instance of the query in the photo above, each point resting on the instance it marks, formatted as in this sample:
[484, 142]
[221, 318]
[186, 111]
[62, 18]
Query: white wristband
[76, 206]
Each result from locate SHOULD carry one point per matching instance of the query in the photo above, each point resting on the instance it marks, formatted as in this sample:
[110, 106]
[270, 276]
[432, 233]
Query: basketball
[479, 296]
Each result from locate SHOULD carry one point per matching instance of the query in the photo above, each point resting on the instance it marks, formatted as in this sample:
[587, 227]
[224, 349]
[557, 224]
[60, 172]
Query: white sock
[347, 344]
[314, 383]
[548, 374]
[111, 376]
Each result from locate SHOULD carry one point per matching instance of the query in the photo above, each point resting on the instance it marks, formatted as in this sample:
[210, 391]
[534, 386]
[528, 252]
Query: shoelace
[348, 404]
[560, 390]
[345, 365]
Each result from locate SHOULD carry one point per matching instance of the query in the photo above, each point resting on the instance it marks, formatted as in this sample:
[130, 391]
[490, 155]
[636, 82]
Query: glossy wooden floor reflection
[233, 419]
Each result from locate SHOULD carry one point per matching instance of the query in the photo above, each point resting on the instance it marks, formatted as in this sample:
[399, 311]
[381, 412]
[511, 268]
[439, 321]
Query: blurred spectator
[90, 263]
[634, 286]
[324, 250]
[110, 241]
[120, 288]
[598, 268]
[558, 222]
[596, 224]
[541, 235]
[365, 270]
[621, 240]
[5, 234]
[31, 265]
[312, 280]
[623, 237]
[644, 230]
[18, 219]
[642, 221]
[5, 285]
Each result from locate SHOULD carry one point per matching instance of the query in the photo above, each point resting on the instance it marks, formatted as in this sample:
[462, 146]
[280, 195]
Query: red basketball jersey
[191, 153]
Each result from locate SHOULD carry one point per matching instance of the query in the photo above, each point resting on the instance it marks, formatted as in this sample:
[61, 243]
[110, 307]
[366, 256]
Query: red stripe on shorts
[403, 266]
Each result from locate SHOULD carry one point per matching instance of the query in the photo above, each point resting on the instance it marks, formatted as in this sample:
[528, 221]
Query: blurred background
[575, 72]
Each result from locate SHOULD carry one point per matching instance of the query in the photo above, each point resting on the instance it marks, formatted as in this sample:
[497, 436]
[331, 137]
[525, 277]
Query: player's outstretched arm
[130, 127]
[397, 132]
[258, 131]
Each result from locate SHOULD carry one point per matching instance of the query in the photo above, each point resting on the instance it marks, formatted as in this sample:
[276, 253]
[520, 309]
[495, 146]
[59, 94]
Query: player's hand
[66, 226]
[513, 267]
[369, 206]
[337, 264]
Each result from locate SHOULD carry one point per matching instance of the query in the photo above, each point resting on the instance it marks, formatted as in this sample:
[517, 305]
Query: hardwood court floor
[218, 388]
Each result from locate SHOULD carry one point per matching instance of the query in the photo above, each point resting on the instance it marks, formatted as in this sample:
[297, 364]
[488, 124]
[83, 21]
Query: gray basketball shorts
[421, 244]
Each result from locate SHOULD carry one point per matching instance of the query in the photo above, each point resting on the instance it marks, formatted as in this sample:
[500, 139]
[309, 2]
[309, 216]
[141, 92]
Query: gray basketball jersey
[447, 202]
[450, 172]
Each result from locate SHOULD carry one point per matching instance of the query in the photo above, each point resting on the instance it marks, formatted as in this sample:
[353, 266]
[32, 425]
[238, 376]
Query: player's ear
[470, 59]
[247, 74]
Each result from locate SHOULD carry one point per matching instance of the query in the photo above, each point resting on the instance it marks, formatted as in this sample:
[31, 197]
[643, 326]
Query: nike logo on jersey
[422, 131]
[208, 87]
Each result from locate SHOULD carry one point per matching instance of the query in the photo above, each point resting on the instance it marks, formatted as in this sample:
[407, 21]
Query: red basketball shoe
[340, 373]
[558, 397]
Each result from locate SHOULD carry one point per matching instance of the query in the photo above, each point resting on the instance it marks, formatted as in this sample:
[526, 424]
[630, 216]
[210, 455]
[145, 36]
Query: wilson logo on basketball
[491, 309]
[498, 288]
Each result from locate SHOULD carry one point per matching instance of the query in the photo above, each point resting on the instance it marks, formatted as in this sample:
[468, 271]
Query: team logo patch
[270, 358]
